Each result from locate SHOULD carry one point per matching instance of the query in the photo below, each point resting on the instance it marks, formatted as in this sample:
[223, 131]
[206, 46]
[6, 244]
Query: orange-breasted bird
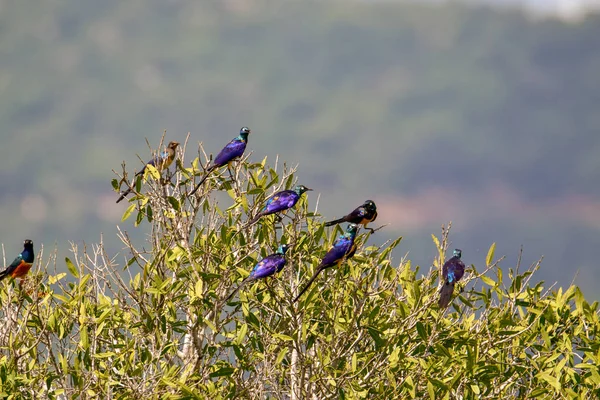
[22, 264]
[361, 215]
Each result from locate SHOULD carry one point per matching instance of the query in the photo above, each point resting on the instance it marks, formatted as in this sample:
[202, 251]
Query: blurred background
[483, 113]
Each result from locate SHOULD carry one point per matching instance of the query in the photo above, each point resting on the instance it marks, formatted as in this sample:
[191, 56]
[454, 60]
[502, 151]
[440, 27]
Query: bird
[21, 264]
[234, 149]
[343, 249]
[362, 215]
[160, 162]
[281, 201]
[266, 267]
[452, 272]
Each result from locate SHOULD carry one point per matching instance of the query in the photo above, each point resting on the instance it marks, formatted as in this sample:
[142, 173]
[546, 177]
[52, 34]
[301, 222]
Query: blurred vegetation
[373, 99]
[368, 329]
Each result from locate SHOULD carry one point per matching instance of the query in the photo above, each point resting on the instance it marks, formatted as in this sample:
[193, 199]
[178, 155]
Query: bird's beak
[309, 190]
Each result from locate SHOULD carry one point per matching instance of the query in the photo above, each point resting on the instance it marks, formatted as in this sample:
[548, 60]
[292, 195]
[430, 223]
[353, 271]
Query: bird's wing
[339, 250]
[281, 201]
[234, 149]
[264, 268]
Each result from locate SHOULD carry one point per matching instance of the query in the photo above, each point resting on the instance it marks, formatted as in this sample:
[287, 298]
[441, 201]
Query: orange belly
[21, 270]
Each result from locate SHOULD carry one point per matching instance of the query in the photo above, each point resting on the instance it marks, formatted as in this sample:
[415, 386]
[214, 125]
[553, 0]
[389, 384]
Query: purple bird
[342, 250]
[265, 267]
[234, 149]
[452, 272]
[281, 201]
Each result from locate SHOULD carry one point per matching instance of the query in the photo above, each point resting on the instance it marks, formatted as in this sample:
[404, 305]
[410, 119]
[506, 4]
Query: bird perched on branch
[361, 215]
[160, 162]
[266, 267]
[22, 264]
[281, 201]
[234, 149]
[452, 272]
[342, 250]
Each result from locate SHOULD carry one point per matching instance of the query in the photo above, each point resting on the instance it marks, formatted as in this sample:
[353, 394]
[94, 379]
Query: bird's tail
[317, 272]
[125, 193]
[206, 175]
[237, 289]
[253, 220]
[446, 294]
[334, 222]
[3, 274]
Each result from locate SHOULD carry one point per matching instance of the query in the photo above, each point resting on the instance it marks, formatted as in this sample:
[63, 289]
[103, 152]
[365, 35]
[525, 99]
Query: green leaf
[436, 241]
[71, 268]
[174, 203]
[488, 281]
[430, 390]
[150, 169]
[241, 334]
[224, 371]
[281, 355]
[128, 212]
[490, 254]
[421, 331]
[52, 279]
[283, 337]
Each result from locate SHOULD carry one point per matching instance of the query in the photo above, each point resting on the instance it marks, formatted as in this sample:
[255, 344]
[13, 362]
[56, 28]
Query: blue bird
[342, 250]
[266, 267]
[234, 149]
[160, 162]
[361, 215]
[452, 272]
[21, 264]
[281, 201]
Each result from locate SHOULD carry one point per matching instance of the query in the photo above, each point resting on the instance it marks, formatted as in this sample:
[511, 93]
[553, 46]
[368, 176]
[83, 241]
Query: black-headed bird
[266, 267]
[281, 201]
[342, 250]
[21, 264]
[362, 215]
[452, 272]
[234, 149]
[160, 162]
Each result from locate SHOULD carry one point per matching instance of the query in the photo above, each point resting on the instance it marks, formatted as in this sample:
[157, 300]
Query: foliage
[369, 329]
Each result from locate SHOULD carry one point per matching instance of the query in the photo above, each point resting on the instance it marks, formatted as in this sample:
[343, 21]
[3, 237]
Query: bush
[158, 327]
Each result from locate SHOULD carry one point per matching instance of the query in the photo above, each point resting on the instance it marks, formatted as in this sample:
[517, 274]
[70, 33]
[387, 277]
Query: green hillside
[487, 118]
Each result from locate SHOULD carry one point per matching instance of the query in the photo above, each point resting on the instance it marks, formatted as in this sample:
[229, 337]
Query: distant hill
[484, 117]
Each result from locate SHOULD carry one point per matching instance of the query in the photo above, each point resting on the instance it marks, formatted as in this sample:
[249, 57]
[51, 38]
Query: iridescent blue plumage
[230, 152]
[343, 249]
[160, 162]
[281, 201]
[266, 267]
[21, 264]
[452, 272]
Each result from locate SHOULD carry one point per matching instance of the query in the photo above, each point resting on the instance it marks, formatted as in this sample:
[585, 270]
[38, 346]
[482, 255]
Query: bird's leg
[278, 218]
[230, 174]
[167, 178]
[234, 182]
[271, 291]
